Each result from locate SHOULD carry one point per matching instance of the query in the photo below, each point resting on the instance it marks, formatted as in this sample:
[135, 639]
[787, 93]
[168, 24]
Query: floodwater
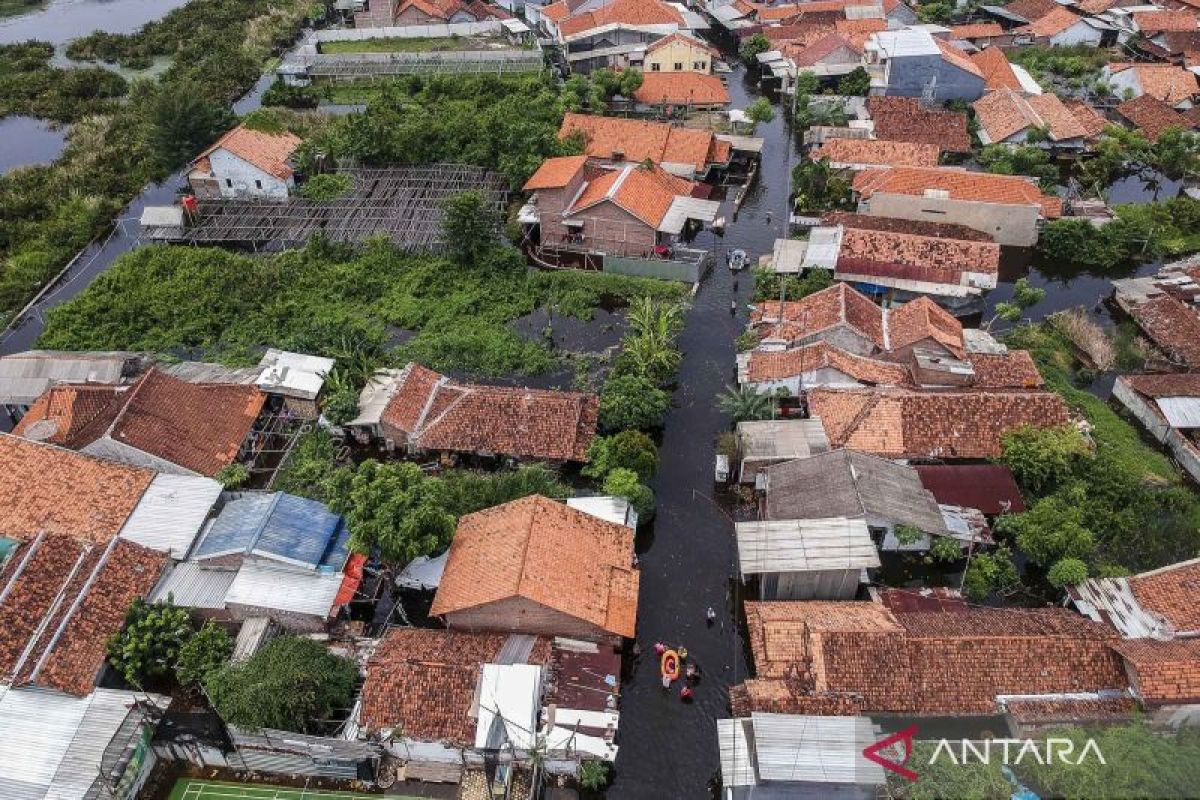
[63, 20]
[29, 141]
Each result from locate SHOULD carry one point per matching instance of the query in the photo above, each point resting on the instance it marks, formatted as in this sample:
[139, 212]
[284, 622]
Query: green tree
[147, 646]
[856, 83]
[469, 226]
[1067, 572]
[817, 186]
[625, 483]
[935, 13]
[752, 47]
[289, 684]
[1043, 458]
[183, 121]
[465, 492]
[1051, 529]
[1035, 162]
[650, 357]
[632, 402]
[233, 476]
[760, 111]
[393, 508]
[990, 572]
[945, 548]
[632, 450]
[745, 404]
[206, 652]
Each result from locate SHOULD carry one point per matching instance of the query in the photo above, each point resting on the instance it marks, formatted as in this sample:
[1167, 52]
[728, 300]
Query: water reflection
[29, 141]
[64, 20]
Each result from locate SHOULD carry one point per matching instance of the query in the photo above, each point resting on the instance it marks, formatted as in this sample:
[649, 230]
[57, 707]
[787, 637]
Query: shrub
[1066, 572]
[624, 483]
[328, 186]
[990, 572]
[1043, 458]
[148, 644]
[632, 402]
[206, 652]
[945, 548]
[233, 476]
[630, 449]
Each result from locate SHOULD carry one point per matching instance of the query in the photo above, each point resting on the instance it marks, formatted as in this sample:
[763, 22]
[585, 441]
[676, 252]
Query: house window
[699, 66]
[229, 183]
[655, 66]
[678, 66]
[258, 184]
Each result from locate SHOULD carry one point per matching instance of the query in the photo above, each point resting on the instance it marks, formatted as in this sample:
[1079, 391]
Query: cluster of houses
[118, 472]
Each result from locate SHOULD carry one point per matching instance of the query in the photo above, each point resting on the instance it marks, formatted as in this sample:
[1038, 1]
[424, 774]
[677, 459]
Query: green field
[191, 789]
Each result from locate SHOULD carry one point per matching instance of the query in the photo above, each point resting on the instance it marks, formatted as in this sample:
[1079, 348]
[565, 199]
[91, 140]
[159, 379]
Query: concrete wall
[239, 178]
[519, 615]
[1008, 224]
[692, 58]
[1079, 33]
[1181, 448]
[833, 584]
[384, 29]
[291, 621]
[683, 271]
[909, 75]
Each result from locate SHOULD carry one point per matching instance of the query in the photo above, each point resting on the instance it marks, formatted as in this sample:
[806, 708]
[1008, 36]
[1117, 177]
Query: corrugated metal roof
[283, 527]
[192, 585]
[25, 376]
[423, 572]
[171, 513]
[737, 759]
[509, 701]
[781, 439]
[293, 374]
[797, 748]
[1181, 412]
[611, 509]
[375, 396]
[687, 208]
[202, 372]
[1111, 600]
[805, 545]
[263, 585]
[254, 633]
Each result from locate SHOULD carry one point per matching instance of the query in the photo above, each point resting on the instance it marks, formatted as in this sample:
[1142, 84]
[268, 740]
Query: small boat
[737, 260]
[670, 665]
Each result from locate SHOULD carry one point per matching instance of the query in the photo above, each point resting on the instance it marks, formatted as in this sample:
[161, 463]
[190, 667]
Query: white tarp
[423, 572]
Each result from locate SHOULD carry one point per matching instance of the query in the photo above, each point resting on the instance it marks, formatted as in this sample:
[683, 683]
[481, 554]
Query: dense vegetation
[1140, 231]
[1138, 763]
[157, 644]
[1106, 501]
[47, 214]
[30, 86]
[1076, 67]
[221, 305]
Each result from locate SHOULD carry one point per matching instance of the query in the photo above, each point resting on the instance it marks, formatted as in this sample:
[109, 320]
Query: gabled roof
[1164, 81]
[955, 57]
[636, 140]
[555, 173]
[1004, 113]
[71, 416]
[681, 88]
[837, 305]
[958, 184]
[932, 259]
[990, 488]
[1173, 326]
[904, 119]
[437, 413]
[282, 527]
[59, 492]
[1160, 20]
[845, 483]
[1032, 9]
[683, 38]
[421, 683]
[25, 376]
[770, 365]
[621, 12]
[1051, 24]
[1091, 120]
[813, 53]
[946, 424]
[1153, 116]
[645, 193]
[922, 319]
[997, 71]
[1159, 604]
[267, 151]
[546, 552]
[978, 30]
[200, 427]
[878, 152]
[1166, 672]
[1015, 369]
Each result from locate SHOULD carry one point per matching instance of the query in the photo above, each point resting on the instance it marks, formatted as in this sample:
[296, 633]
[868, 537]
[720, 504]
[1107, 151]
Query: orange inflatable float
[670, 664]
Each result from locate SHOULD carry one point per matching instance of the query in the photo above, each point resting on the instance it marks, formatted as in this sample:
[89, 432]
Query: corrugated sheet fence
[686, 272]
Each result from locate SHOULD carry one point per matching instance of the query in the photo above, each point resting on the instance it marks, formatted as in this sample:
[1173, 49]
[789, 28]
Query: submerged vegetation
[1140, 231]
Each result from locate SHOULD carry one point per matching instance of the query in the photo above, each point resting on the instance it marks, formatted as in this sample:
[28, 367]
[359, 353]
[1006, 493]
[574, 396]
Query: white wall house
[245, 163]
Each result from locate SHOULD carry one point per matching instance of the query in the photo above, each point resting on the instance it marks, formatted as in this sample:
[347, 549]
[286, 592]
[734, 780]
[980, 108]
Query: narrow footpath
[669, 748]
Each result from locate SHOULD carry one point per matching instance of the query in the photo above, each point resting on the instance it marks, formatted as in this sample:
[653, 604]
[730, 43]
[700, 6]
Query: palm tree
[746, 403]
[660, 320]
[651, 357]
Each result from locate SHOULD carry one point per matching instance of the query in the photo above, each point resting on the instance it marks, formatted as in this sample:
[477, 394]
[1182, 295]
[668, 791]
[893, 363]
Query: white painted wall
[1079, 33]
[240, 178]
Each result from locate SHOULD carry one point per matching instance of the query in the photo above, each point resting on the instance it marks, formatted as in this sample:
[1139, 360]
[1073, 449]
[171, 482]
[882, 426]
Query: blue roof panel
[279, 526]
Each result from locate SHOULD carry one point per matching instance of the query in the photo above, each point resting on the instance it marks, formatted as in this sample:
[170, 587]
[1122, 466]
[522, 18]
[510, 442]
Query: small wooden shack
[806, 559]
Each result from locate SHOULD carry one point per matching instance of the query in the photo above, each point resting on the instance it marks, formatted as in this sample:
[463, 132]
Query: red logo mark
[872, 753]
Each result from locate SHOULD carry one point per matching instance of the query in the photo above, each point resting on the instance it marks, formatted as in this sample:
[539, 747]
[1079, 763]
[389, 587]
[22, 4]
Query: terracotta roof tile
[1091, 120]
[780, 364]
[681, 88]
[1164, 81]
[1152, 116]
[81, 593]
[621, 12]
[957, 57]
[556, 12]
[267, 151]
[198, 426]
[1032, 9]
[1172, 326]
[932, 259]
[421, 683]
[978, 30]
[1015, 369]
[958, 184]
[997, 71]
[1051, 24]
[923, 319]
[1185, 384]
[691, 41]
[638, 140]
[1003, 113]
[555, 173]
[50, 489]
[1151, 22]
[66, 414]
[1164, 672]
[855, 657]
[1170, 593]
[879, 152]
[904, 119]
[945, 230]
[645, 193]
[436, 413]
[546, 552]
[896, 423]
[810, 54]
[837, 305]
[1094, 7]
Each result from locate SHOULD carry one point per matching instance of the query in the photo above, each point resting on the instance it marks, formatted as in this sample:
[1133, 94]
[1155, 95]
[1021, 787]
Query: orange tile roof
[1091, 120]
[959, 184]
[198, 426]
[621, 12]
[1173, 326]
[895, 423]
[1003, 113]
[944, 230]
[645, 193]
[60, 492]
[905, 119]
[922, 319]
[267, 151]
[1052, 24]
[555, 12]
[1032, 9]
[937, 259]
[810, 54]
[1015, 369]
[437, 413]
[878, 151]
[997, 71]
[957, 57]
[1163, 20]
[422, 682]
[1166, 672]
[1153, 116]
[66, 414]
[829, 308]
[979, 30]
[638, 140]
[857, 657]
[1164, 81]
[555, 173]
[1094, 7]
[691, 41]
[1170, 594]
[764, 365]
[546, 552]
[681, 88]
